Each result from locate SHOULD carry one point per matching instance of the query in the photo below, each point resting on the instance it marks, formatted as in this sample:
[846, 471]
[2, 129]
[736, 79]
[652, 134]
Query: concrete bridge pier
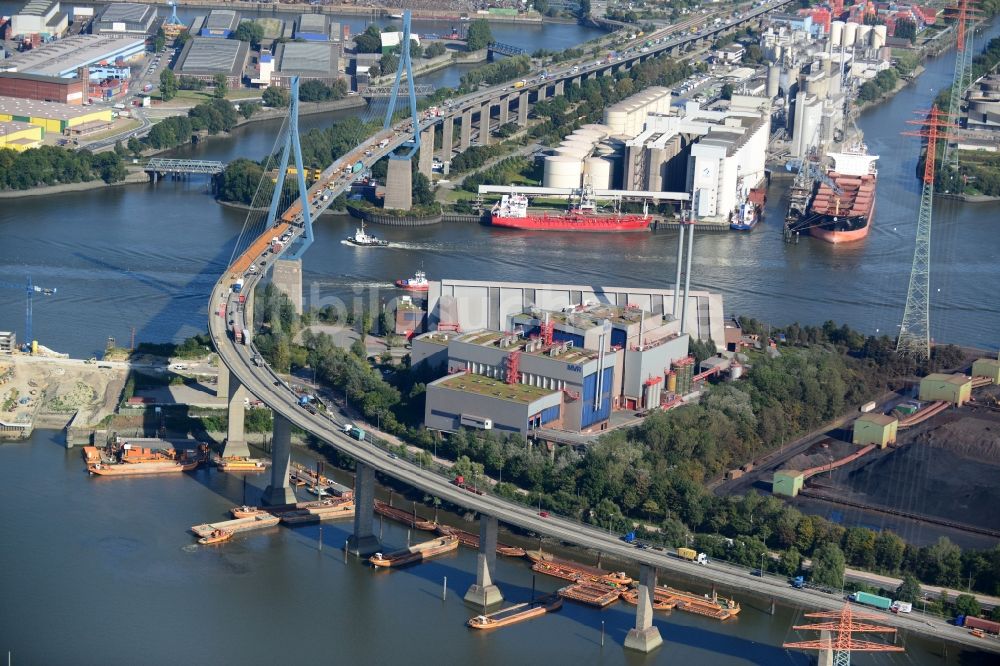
[222, 384]
[504, 110]
[560, 87]
[236, 441]
[399, 184]
[645, 637]
[287, 277]
[825, 656]
[364, 542]
[484, 592]
[279, 492]
[447, 139]
[465, 132]
[522, 109]
[484, 123]
[543, 92]
[426, 162]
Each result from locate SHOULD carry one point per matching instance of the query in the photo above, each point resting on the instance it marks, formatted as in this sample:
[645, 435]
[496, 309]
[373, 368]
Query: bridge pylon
[293, 149]
[399, 179]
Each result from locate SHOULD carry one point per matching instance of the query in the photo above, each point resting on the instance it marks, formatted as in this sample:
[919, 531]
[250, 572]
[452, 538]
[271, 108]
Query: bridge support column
[426, 151]
[222, 385]
[825, 656]
[560, 87]
[543, 91]
[287, 277]
[278, 492]
[447, 139]
[236, 442]
[505, 110]
[484, 123]
[465, 132]
[484, 592]
[399, 184]
[522, 109]
[644, 637]
[364, 542]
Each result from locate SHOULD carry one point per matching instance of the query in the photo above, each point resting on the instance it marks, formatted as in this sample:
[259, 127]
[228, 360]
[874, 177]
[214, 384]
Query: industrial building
[66, 57]
[126, 20]
[628, 117]
[20, 136]
[984, 104]
[410, 317]
[8, 342]
[987, 367]
[569, 386]
[787, 482]
[204, 57]
[391, 40]
[53, 117]
[955, 389]
[43, 18]
[43, 88]
[875, 428]
[466, 305]
[310, 61]
[315, 28]
[219, 23]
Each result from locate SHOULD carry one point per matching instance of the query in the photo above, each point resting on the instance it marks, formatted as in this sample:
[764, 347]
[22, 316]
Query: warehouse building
[65, 58]
[126, 20]
[787, 482]
[467, 305]
[987, 367]
[43, 88]
[204, 57]
[477, 401]
[956, 389]
[20, 136]
[53, 117]
[39, 17]
[875, 428]
[583, 380]
[219, 23]
[310, 61]
[313, 28]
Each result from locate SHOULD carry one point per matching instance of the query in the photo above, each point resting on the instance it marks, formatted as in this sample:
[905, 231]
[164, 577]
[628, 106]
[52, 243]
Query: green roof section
[494, 388]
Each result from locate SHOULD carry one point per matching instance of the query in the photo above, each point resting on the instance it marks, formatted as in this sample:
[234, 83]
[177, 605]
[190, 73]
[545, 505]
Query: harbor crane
[30, 290]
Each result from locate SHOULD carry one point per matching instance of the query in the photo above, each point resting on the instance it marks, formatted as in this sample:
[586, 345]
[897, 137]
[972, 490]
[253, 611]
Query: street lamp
[762, 565]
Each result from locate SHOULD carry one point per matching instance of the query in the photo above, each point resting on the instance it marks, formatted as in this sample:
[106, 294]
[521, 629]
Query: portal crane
[30, 290]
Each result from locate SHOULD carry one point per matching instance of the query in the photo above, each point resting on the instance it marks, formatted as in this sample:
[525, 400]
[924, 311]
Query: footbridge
[243, 373]
[495, 48]
[160, 165]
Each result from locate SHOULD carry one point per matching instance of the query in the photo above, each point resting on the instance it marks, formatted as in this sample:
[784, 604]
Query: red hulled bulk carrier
[845, 215]
[512, 212]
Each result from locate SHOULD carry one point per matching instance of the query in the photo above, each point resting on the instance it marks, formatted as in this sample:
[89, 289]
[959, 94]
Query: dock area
[574, 571]
[237, 525]
[316, 512]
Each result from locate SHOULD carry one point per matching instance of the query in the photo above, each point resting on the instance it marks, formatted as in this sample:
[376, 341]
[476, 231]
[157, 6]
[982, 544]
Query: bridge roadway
[276, 394]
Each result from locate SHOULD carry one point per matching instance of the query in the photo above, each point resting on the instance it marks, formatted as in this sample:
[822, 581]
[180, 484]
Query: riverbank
[889, 94]
[134, 177]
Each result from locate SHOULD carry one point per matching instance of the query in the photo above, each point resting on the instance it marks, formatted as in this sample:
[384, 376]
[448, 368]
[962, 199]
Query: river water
[98, 571]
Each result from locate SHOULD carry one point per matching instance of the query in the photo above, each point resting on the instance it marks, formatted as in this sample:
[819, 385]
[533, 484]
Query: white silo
[864, 36]
[879, 34]
[597, 171]
[850, 33]
[562, 171]
[773, 76]
[603, 130]
[837, 34]
[591, 136]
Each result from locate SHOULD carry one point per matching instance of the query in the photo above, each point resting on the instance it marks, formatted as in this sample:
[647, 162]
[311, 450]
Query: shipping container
[238, 286]
[869, 407]
[246, 336]
[871, 600]
[988, 626]
[355, 432]
[687, 553]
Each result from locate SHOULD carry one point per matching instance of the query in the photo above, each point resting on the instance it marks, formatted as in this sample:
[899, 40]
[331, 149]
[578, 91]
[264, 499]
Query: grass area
[494, 387]
[124, 125]
[199, 96]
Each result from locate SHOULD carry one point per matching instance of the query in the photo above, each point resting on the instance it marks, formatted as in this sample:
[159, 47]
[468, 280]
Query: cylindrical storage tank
[879, 34]
[837, 33]
[603, 130]
[615, 118]
[586, 135]
[773, 78]
[562, 171]
[571, 152]
[850, 33]
[583, 146]
[598, 171]
[864, 36]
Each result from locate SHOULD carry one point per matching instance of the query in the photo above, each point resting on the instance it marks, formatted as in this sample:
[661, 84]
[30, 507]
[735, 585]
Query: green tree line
[51, 165]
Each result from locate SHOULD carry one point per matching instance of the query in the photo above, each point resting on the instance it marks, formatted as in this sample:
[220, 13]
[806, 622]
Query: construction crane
[30, 291]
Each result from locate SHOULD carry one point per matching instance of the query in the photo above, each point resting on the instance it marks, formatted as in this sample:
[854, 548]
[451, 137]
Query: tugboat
[216, 536]
[361, 239]
[418, 282]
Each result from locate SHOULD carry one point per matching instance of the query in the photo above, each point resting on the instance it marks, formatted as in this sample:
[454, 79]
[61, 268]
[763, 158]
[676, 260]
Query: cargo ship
[844, 201]
[512, 212]
[517, 613]
[416, 553]
[238, 464]
[573, 571]
[666, 598]
[592, 594]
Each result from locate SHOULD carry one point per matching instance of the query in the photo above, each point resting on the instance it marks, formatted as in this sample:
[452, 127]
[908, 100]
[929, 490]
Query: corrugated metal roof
[211, 55]
[313, 57]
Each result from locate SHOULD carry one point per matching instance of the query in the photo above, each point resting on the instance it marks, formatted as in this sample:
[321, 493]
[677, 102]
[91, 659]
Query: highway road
[276, 394]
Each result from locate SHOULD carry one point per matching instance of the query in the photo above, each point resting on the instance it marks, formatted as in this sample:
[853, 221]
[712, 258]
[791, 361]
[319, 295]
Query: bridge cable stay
[256, 219]
[404, 65]
[292, 147]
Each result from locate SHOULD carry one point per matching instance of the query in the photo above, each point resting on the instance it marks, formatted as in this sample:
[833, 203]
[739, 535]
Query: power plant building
[126, 20]
[204, 58]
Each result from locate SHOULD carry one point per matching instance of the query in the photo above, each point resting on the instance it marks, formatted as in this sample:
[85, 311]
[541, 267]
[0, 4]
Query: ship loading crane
[30, 290]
